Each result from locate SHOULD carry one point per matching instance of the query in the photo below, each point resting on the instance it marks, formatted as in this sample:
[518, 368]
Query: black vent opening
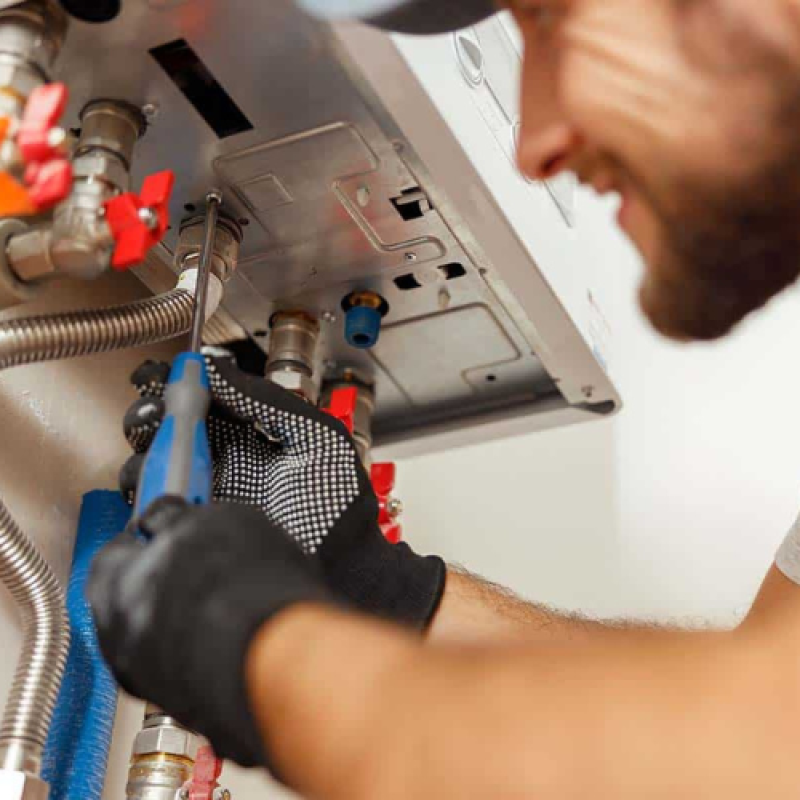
[201, 88]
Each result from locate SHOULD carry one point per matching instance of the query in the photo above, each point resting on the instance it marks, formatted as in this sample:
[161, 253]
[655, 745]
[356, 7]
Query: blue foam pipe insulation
[76, 755]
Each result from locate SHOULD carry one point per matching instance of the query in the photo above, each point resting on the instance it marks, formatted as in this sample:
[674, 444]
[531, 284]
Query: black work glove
[175, 615]
[300, 468]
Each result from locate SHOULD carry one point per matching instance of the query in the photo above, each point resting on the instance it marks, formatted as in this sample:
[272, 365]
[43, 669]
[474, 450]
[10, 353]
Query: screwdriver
[179, 462]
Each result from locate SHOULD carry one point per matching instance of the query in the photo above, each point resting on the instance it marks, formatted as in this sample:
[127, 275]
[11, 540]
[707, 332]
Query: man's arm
[353, 709]
[476, 611]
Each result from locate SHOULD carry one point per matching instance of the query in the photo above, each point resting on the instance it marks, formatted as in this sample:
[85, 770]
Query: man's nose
[543, 153]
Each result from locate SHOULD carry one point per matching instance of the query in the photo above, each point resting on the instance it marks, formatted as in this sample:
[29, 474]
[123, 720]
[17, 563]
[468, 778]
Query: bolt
[411, 257]
[56, 138]
[214, 196]
[588, 391]
[394, 507]
[149, 217]
[150, 111]
[329, 317]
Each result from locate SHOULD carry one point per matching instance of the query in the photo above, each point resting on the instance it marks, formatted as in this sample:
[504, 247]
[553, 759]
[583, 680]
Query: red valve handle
[135, 232]
[47, 177]
[207, 769]
[342, 406]
[48, 183]
[42, 112]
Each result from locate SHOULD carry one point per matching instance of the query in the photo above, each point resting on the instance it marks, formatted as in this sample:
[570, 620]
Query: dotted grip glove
[299, 467]
[175, 615]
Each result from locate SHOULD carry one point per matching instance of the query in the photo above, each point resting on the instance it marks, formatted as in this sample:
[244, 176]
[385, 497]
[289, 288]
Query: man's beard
[724, 259]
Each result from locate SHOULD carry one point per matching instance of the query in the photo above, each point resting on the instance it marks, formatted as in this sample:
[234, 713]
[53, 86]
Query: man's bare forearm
[474, 610]
[354, 709]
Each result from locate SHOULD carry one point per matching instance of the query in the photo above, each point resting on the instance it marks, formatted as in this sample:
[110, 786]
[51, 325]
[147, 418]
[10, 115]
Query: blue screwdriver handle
[179, 460]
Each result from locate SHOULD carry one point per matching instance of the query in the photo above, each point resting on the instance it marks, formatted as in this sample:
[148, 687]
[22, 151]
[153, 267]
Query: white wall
[671, 510]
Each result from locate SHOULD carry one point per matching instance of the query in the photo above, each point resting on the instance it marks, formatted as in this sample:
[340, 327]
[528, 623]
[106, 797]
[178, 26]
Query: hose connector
[292, 352]
[364, 313]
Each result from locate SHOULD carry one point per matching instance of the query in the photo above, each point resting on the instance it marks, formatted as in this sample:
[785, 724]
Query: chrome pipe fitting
[293, 342]
[227, 241]
[31, 36]
[79, 242]
[162, 760]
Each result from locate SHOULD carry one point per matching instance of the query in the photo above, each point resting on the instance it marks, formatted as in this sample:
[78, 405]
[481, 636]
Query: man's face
[690, 109]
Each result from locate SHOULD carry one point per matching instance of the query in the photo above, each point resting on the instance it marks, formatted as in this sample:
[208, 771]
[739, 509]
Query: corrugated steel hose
[23, 571]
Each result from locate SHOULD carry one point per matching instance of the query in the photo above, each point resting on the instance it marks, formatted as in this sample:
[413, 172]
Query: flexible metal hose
[45, 643]
[80, 333]
[23, 571]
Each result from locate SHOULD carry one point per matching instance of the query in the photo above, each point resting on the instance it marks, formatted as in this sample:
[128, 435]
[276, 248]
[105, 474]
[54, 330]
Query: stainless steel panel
[313, 183]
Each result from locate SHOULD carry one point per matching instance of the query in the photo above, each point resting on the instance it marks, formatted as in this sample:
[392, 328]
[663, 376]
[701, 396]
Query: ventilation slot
[405, 283]
[412, 204]
[201, 88]
[452, 271]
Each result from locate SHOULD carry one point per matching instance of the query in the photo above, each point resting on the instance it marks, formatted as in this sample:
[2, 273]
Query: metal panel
[314, 183]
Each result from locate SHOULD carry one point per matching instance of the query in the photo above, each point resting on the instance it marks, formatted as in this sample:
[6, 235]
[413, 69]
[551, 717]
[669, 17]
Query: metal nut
[29, 255]
[21, 786]
[166, 739]
[296, 382]
[13, 289]
[100, 165]
[226, 245]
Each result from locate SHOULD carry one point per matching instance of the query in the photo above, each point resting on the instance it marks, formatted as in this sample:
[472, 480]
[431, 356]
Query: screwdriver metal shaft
[213, 200]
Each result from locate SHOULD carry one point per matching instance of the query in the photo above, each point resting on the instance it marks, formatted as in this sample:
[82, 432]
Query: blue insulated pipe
[76, 755]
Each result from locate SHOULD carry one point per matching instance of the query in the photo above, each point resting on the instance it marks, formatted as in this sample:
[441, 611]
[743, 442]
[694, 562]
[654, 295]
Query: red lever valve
[139, 222]
[36, 138]
[342, 406]
[47, 178]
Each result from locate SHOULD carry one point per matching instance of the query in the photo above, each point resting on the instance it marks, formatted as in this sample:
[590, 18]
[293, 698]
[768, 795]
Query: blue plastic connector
[362, 327]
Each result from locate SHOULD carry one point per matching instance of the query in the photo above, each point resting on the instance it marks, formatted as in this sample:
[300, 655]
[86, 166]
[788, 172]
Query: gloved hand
[300, 468]
[175, 615]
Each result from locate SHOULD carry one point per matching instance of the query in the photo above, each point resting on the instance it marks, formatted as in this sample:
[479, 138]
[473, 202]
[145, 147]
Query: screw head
[394, 507]
[57, 138]
[150, 111]
[149, 217]
[363, 195]
[411, 257]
